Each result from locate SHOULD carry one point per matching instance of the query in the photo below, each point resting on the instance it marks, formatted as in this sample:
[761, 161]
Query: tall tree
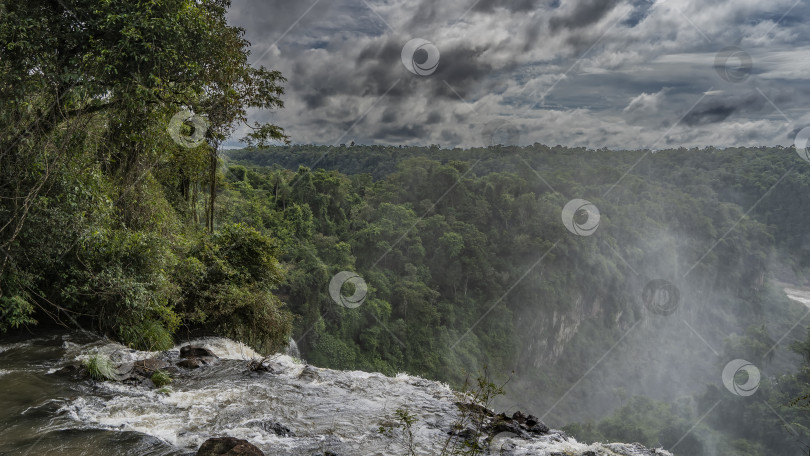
[87, 89]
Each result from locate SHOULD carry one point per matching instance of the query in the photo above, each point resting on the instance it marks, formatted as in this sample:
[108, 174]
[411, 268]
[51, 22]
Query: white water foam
[339, 411]
[801, 296]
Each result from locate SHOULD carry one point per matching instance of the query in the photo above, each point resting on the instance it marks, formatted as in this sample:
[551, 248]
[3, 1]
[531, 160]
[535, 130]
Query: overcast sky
[594, 73]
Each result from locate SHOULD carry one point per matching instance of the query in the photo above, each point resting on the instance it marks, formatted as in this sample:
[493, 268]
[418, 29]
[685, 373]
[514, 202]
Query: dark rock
[539, 428]
[195, 351]
[190, 363]
[281, 430]
[140, 371]
[274, 427]
[474, 409]
[196, 356]
[518, 425]
[502, 423]
[150, 366]
[261, 365]
[467, 434]
[228, 446]
[530, 423]
[194, 363]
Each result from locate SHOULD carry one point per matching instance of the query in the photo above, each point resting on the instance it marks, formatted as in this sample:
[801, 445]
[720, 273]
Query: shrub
[226, 287]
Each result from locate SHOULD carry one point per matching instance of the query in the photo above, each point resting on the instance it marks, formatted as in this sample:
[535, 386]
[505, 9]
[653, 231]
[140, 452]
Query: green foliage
[226, 286]
[120, 276]
[404, 422]
[151, 335]
[15, 311]
[755, 343]
[161, 378]
[474, 401]
[435, 262]
[99, 367]
[101, 210]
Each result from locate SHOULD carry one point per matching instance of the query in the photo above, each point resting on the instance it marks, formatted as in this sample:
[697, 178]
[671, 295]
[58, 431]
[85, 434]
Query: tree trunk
[194, 216]
[212, 176]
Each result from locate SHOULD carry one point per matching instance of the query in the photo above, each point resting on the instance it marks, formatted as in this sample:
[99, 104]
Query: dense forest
[120, 217]
[444, 238]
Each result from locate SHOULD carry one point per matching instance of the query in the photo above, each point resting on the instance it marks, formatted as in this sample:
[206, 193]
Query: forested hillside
[468, 264]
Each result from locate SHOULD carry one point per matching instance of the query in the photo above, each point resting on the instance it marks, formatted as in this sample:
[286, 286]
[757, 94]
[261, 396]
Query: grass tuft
[161, 378]
[99, 367]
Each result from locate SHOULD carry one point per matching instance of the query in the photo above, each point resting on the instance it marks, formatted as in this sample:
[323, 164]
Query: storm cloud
[592, 73]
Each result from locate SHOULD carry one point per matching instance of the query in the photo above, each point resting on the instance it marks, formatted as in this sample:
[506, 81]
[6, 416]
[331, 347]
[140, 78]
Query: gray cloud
[581, 14]
[618, 73]
[488, 6]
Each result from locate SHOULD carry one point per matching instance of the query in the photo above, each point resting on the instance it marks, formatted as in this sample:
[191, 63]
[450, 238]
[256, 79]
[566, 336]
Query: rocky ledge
[226, 400]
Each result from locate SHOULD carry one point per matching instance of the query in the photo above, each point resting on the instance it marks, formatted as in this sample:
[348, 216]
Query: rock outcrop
[228, 446]
[288, 408]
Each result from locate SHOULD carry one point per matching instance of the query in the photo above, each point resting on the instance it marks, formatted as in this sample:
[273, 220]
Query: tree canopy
[99, 185]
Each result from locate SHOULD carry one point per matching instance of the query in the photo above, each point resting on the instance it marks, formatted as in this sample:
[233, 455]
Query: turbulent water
[293, 409]
[802, 296]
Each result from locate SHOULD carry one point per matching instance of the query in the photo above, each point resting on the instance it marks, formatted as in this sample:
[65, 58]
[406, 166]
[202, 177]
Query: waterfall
[292, 349]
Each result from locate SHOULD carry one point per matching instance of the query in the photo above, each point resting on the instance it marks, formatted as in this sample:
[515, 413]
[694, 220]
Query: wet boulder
[194, 363]
[228, 446]
[195, 356]
[530, 423]
[196, 351]
[519, 424]
[150, 366]
[139, 372]
[143, 369]
[274, 427]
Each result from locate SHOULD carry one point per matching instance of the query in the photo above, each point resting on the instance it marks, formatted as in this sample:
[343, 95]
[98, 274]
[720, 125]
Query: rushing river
[293, 409]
